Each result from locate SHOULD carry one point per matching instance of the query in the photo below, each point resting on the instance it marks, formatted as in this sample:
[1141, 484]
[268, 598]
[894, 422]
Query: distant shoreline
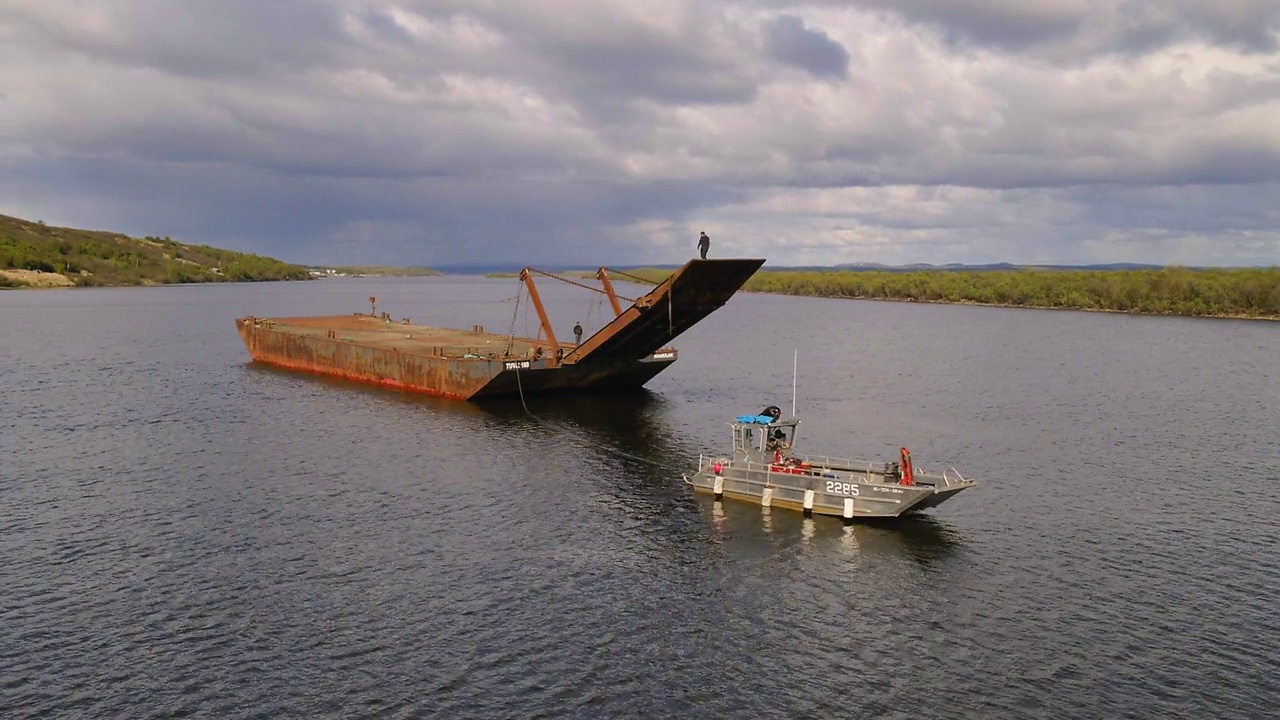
[37, 280]
[1219, 293]
[1237, 293]
[1270, 318]
[813, 284]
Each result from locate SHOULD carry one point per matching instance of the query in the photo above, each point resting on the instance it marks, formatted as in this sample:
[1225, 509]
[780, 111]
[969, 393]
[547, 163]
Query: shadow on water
[924, 537]
[628, 427]
[628, 432]
[627, 437]
[632, 423]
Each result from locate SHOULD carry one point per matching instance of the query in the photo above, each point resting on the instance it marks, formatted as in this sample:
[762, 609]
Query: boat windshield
[763, 438]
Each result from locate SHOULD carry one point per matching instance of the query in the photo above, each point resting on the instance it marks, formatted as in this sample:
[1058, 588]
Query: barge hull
[281, 344]
[615, 377]
[274, 342]
[624, 355]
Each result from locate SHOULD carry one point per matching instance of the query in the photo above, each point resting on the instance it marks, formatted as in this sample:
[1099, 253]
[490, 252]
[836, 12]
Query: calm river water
[184, 534]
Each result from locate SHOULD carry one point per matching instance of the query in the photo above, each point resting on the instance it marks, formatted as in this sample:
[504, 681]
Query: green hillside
[32, 253]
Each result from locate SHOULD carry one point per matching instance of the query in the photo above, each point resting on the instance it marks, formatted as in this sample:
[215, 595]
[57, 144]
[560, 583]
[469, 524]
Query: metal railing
[947, 479]
[706, 462]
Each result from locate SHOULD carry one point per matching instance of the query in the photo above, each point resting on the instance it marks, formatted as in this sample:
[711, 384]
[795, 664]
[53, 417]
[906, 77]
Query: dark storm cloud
[788, 41]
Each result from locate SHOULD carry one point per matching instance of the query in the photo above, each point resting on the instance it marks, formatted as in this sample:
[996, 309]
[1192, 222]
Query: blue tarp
[755, 419]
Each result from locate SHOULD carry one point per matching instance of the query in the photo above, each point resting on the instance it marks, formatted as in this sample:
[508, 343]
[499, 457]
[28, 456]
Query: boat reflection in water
[920, 539]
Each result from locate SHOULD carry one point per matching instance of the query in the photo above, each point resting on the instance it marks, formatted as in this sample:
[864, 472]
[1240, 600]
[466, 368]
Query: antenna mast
[795, 364]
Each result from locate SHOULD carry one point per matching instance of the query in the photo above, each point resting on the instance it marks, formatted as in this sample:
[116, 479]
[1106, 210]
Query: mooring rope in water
[561, 426]
[515, 316]
[521, 388]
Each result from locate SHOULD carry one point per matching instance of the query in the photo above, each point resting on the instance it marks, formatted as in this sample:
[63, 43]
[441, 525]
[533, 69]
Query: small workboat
[765, 469]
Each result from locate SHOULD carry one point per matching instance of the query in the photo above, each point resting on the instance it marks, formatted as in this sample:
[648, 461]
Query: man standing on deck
[577, 333]
[704, 244]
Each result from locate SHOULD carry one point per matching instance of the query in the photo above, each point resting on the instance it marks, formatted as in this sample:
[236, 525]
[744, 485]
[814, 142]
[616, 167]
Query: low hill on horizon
[372, 271]
[33, 254]
[502, 269]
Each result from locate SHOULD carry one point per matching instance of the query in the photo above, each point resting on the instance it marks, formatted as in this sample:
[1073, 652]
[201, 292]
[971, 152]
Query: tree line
[1221, 292]
[1247, 292]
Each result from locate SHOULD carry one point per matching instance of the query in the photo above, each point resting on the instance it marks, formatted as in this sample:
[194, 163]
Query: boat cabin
[763, 438]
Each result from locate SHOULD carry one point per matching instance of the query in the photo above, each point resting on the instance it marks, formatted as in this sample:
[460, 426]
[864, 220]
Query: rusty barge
[471, 364]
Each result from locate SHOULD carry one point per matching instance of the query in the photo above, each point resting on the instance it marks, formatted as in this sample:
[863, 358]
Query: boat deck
[406, 338]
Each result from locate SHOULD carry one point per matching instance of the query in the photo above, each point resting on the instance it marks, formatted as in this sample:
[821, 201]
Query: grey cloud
[450, 132]
[788, 41]
[383, 24]
[610, 76]
[992, 22]
[1224, 165]
[308, 218]
[1078, 28]
[1206, 209]
[1252, 25]
[201, 38]
[698, 61]
[1173, 224]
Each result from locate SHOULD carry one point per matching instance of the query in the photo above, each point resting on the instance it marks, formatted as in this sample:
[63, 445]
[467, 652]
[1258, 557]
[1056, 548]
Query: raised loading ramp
[654, 320]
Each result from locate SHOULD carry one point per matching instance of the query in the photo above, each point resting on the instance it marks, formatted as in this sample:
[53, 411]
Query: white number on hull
[839, 488]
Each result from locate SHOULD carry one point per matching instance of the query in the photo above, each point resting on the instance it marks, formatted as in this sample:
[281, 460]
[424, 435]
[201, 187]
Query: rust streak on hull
[310, 367]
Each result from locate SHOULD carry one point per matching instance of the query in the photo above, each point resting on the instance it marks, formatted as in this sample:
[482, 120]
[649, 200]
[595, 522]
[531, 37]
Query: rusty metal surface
[438, 361]
[654, 320]
[603, 275]
[542, 313]
[408, 357]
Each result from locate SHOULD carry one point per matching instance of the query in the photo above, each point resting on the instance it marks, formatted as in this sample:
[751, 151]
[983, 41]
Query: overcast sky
[613, 131]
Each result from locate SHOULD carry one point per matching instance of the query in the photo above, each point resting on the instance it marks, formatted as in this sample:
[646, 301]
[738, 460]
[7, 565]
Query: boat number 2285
[839, 488]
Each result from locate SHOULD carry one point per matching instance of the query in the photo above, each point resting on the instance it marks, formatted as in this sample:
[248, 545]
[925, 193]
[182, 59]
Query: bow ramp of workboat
[677, 304]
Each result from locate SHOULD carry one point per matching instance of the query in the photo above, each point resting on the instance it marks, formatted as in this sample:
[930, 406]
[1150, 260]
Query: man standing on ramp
[704, 244]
